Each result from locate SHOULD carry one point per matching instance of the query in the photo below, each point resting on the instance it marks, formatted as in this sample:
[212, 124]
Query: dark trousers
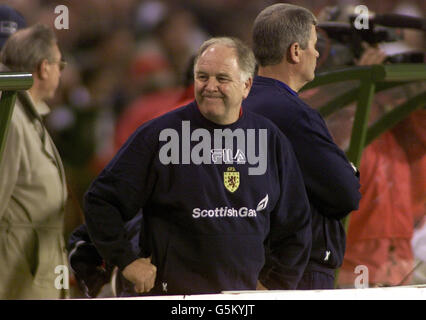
[316, 280]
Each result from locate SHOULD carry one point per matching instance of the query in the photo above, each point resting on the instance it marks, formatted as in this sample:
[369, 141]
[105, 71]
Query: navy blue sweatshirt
[331, 183]
[212, 225]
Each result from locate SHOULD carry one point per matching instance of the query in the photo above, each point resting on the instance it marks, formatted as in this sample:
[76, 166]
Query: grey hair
[277, 27]
[245, 57]
[27, 48]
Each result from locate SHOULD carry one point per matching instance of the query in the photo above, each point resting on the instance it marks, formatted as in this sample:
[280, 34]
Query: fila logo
[225, 155]
[201, 146]
[263, 203]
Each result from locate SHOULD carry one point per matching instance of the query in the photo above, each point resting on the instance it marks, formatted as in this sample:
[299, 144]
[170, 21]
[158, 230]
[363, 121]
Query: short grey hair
[245, 57]
[277, 27]
[27, 48]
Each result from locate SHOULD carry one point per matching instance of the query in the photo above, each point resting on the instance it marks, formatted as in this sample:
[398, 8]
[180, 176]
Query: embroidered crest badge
[231, 179]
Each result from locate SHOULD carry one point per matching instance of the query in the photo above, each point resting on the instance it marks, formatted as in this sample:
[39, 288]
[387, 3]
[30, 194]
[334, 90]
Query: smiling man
[210, 223]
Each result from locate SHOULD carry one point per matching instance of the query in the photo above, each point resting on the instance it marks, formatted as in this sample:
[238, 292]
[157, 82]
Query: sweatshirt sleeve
[331, 181]
[289, 241]
[79, 234]
[116, 196]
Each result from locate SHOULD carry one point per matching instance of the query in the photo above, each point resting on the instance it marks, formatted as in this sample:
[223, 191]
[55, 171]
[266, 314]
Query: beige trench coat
[32, 200]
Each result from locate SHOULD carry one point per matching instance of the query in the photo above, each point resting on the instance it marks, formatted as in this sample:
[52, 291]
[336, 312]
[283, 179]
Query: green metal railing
[10, 84]
[372, 79]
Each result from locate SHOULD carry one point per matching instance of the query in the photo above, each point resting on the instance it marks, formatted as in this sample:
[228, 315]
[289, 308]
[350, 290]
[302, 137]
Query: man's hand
[142, 273]
[371, 55]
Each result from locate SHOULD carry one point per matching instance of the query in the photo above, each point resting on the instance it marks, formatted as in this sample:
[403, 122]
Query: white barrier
[386, 293]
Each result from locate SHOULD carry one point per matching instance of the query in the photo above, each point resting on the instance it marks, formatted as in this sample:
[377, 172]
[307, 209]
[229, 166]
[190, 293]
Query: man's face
[53, 72]
[219, 87]
[309, 57]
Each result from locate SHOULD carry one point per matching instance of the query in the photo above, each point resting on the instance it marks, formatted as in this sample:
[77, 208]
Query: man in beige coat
[33, 191]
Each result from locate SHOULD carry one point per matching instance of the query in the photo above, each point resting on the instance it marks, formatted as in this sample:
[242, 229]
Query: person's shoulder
[310, 117]
[19, 119]
[270, 99]
[258, 121]
[285, 108]
[267, 89]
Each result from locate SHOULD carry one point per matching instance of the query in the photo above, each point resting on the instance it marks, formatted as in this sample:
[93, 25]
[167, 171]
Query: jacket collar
[41, 108]
[277, 83]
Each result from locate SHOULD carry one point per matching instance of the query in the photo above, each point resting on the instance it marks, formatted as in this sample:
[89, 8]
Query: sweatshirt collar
[208, 124]
[278, 83]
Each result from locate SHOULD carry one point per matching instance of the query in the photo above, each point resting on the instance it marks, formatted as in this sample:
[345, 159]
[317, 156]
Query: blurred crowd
[122, 52]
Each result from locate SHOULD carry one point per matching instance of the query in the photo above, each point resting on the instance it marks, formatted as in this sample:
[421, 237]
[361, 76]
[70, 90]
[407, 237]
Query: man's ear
[43, 69]
[247, 86]
[293, 55]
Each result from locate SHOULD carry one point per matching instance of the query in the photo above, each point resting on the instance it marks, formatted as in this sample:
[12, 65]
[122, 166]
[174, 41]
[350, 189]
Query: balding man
[222, 195]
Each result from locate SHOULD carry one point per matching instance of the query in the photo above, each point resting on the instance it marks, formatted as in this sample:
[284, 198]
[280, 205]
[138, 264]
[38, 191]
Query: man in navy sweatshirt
[223, 199]
[284, 39]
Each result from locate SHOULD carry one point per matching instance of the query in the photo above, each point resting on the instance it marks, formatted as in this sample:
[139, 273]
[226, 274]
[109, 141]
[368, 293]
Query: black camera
[340, 43]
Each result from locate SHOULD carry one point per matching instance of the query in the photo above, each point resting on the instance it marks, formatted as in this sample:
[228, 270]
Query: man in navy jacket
[284, 39]
[224, 203]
